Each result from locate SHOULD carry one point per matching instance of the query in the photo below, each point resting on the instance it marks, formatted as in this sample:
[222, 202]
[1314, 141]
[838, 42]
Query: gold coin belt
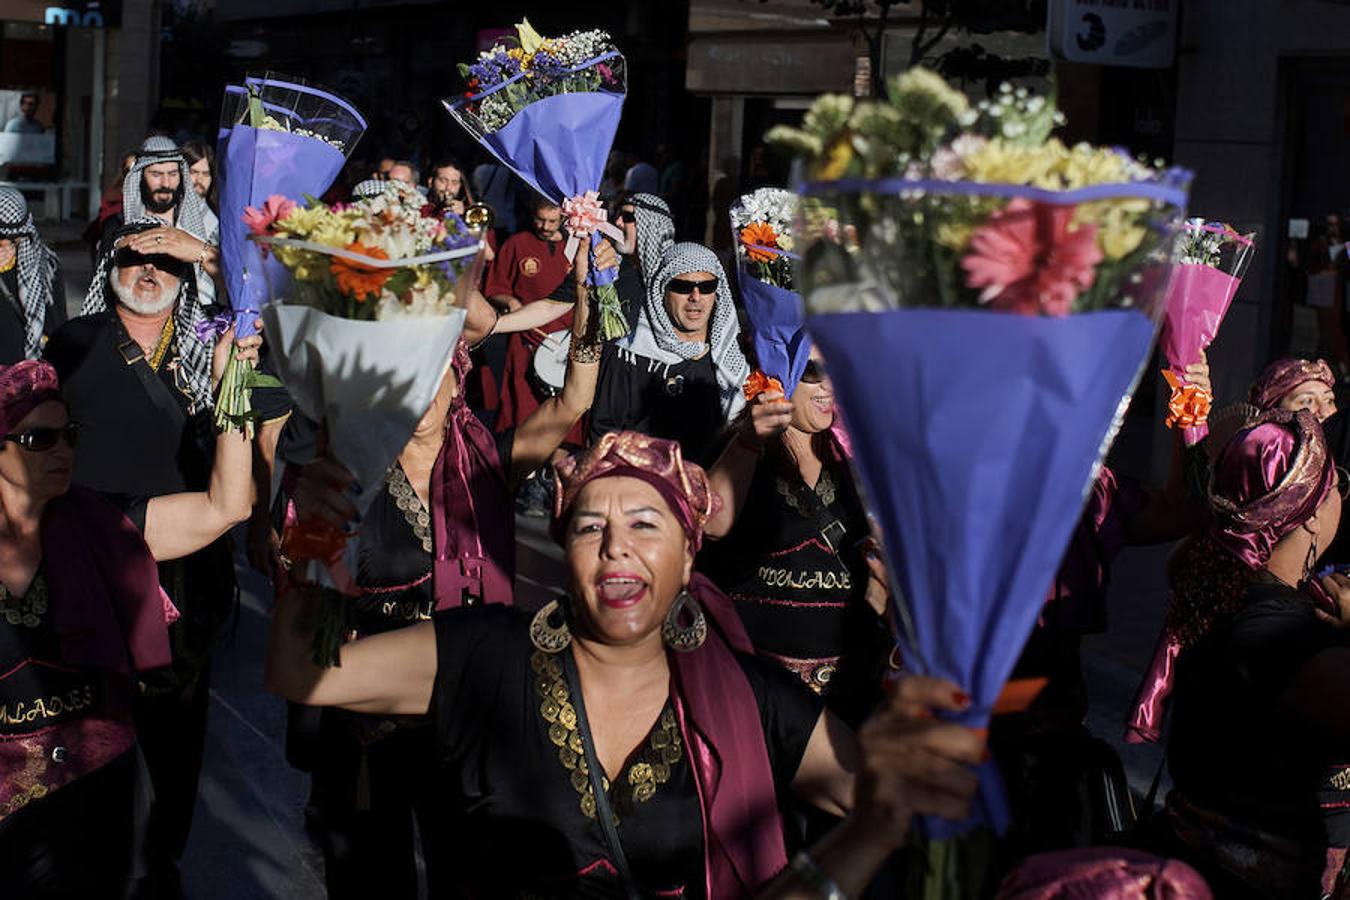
[28, 609]
[665, 747]
[406, 499]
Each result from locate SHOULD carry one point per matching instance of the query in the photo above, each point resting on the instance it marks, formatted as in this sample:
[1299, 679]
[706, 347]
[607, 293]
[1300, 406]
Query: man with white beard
[136, 376]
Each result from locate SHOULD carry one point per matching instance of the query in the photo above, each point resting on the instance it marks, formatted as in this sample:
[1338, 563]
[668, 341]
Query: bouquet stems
[613, 325]
[234, 398]
[957, 868]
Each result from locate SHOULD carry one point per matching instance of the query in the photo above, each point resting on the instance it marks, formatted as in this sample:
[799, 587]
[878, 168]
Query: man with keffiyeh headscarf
[136, 374]
[30, 280]
[680, 374]
[159, 187]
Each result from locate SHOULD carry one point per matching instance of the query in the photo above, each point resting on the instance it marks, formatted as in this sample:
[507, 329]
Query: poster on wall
[27, 136]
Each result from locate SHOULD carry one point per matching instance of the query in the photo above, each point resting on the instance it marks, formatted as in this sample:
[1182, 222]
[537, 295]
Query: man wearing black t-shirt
[131, 374]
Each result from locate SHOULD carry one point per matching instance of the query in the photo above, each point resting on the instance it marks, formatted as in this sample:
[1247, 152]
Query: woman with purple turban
[1260, 653]
[82, 611]
[623, 740]
[1294, 384]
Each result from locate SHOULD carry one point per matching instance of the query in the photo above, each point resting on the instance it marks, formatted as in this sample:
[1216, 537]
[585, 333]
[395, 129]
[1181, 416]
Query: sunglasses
[814, 373]
[684, 287]
[40, 440]
[625, 216]
[127, 258]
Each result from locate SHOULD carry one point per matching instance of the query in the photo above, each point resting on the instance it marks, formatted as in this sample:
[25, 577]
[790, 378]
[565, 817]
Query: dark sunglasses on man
[126, 258]
[684, 287]
[40, 440]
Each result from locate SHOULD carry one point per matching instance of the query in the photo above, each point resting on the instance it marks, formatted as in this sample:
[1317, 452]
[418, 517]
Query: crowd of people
[713, 704]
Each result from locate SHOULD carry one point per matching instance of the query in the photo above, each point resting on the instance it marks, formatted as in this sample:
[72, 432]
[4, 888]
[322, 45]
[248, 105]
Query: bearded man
[159, 187]
[136, 376]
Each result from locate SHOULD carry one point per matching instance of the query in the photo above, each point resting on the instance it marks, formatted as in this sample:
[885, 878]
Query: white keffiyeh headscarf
[37, 266]
[191, 215]
[655, 337]
[194, 354]
[655, 229]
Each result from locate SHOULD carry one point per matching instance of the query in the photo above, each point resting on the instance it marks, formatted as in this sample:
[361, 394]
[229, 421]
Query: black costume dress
[527, 825]
[371, 773]
[1242, 754]
[679, 402]
[793, 565]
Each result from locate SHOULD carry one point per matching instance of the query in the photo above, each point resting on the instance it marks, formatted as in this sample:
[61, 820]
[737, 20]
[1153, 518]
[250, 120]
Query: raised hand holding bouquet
[548, 109]
[985, 298]
[762, 225]
[278, 138]
[364, 334]
[1211, 261]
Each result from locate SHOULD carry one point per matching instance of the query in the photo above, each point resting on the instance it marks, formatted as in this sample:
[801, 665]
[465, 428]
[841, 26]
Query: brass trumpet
[479, 217]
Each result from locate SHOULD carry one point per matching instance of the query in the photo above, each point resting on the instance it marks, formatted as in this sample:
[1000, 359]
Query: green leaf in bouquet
[402, 281]
[463, 70]
[256, 114]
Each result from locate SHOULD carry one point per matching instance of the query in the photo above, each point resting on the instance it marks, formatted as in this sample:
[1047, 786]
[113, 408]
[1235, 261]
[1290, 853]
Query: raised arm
[767, 417]
[544, 431]
[389, 674]
[533, 315]
[1170, 513]
[179, 524]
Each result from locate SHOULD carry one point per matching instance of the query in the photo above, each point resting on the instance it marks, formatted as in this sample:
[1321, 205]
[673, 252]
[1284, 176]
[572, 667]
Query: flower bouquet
[985, 298]
[1211, 261]
[548, 109]
[277, 136]
[364, 333]
[762, 223]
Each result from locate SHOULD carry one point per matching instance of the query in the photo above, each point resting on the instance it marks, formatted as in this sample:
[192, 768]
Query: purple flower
[546, 65]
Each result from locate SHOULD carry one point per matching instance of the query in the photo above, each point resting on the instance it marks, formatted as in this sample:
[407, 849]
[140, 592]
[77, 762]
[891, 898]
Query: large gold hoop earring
[548, 629]
[684, 638]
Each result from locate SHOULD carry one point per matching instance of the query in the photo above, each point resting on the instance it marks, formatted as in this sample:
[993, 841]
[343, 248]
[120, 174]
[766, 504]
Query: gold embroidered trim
[406, 499]
[825, 489]
[28, 609]
[1341, 780]
[665, 747]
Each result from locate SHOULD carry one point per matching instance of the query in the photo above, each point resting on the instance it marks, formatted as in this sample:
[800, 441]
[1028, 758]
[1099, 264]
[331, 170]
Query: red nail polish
[962, 699]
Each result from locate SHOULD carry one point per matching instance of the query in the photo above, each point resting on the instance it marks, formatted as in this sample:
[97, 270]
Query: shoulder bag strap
[603, 812]
[130, 354]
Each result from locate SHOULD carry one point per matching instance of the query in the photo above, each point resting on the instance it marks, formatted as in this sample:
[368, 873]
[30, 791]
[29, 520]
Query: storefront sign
[1139, 33]
[84, 14]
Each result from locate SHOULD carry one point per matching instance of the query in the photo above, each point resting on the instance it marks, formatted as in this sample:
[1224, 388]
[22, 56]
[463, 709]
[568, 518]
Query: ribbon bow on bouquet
[584, 216]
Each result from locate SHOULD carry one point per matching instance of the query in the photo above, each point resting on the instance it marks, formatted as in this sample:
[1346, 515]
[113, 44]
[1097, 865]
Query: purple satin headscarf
[1268, 480]
[472, 516]
[1281, 377]
[1103, 873]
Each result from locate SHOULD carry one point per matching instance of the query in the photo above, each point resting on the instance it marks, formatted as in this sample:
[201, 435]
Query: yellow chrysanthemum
[301, 221]
[530, 40]
[1000, 162]
[837, 156]
[1121, 224]
[1087, 165]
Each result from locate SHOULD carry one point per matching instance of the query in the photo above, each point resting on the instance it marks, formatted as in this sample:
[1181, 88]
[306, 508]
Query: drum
[550, 360]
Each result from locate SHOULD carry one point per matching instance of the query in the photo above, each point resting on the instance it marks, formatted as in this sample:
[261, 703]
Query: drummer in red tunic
[530, 267]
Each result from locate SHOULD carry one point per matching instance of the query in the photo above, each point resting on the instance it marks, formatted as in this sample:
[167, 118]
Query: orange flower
[1189, 405]
[763, 235]
[758, 383]
[357, 280]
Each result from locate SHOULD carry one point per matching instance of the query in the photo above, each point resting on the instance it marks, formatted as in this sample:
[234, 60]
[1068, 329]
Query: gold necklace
[406, 499]
[28, 609]
[161, 348]
[664, 748]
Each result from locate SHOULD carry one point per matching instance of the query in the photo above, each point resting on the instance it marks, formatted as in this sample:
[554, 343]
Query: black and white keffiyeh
[655, 230]
[194, 354]
[655, 337]
[37, 266]
[191, 215]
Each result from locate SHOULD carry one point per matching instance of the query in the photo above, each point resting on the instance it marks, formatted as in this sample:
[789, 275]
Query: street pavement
[248, 840]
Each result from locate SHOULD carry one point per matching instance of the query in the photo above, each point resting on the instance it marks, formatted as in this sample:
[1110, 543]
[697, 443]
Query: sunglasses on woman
[40, 440]
[684, 287]
[814, 373]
